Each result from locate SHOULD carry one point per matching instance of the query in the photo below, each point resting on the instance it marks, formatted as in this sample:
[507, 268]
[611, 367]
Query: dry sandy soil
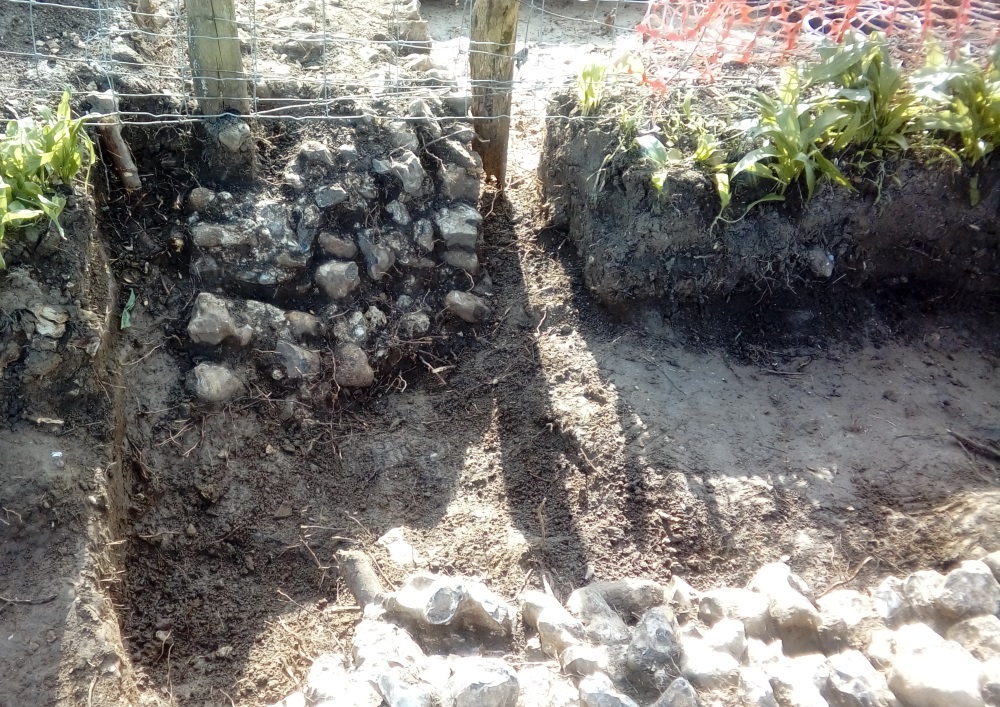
[561, 438]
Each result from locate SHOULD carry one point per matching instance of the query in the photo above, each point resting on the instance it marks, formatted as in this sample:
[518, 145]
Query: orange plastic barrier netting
[746, 30]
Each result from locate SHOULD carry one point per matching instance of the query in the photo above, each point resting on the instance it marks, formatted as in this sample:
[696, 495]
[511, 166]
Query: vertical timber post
[216, 63]
[491, 64]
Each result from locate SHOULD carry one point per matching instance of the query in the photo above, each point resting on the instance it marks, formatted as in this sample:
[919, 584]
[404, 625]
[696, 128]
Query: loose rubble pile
[372, 238]
[929, 640]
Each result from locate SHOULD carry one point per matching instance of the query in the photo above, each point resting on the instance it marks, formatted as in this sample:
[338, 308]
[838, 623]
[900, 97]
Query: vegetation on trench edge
[847, 112]
[40, 156]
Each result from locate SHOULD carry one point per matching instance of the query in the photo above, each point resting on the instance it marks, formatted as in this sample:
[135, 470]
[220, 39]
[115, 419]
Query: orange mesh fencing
[746, 31]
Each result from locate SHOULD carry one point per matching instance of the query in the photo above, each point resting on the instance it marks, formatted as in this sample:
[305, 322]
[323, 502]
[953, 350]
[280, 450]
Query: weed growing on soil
[37, 156]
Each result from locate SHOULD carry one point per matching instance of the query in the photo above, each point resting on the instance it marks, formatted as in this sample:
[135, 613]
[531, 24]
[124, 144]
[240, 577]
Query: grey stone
[944, 675]
[263, 250]
[427, 599]
[379, 259]
[200, 199]
[337, 278]
[887, 644]
[349, 156]
[921, 590]
[584, 659]
[598, 691]
[969, 590]
[462, 260]
[212, 323]
[790, 609]
[454, 152]
[727, 635]
[820, 262]
[459, 183]
[352, 329]
[543, 686]
[423, 234]
[654, 654]
[212, 383]
[406, 166]
[601, 623]
[401, 135]
[398, 212]
[353, 369]
[401, 690]
[533, 602]
[459, 225]
[680, 693]
[295, 22]
[468, 307]
[299, 362]
[847, 618]
[854, 682]
[316, 153]
[366, 187]
[330, 196]
[630, 597]
[125, 54]
[308, 225]
[482, 682]
[234, 136]
[414, 324]
[752, 608]
[302, 324]
[979, 635]
[682, 598]
[337, 246]
[425, 119]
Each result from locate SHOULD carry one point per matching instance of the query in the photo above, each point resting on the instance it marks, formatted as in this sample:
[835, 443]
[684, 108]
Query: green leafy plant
[590, 87]
[860, 78]
[38, 155]
[793, 131]
[963, 98]
[659, 156]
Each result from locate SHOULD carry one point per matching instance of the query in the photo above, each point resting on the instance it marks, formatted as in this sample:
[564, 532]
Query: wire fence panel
[317, 58]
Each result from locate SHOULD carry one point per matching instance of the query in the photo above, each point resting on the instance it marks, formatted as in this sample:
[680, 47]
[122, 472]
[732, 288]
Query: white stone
[681, 597]
[755, 688]
[407, 167]
[482, 682]
[993, 562]
[532, 602]
[601, 623]
[796, 681]
[969, 590]
[752, 608]
[921, 590]
[212, 323]
[401, 552]
[788, 606]
[544, 686]
[847, 618]
[979, 635]
[584, 659]
[316, 152]
[680, 693]
[707, 667]
[937, 676]
[353, 369]
[989, 682]
[598, 691]
[854, 682]
[330, 196]
[558, 629]
[338, 278]
[890, 604]
[468, 307]
[763, 654]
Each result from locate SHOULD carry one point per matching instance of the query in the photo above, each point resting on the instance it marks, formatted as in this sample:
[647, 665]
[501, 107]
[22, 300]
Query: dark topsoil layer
[913, 224]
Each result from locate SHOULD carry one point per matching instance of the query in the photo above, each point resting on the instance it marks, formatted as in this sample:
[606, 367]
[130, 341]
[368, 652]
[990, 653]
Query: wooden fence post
[491, 63]
[216, 62]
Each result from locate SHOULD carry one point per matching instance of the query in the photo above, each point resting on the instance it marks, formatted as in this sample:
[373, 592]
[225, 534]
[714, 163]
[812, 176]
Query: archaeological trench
[358, 261]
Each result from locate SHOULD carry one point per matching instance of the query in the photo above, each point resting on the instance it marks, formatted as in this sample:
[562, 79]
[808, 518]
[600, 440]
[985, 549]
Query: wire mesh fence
[317, 58]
